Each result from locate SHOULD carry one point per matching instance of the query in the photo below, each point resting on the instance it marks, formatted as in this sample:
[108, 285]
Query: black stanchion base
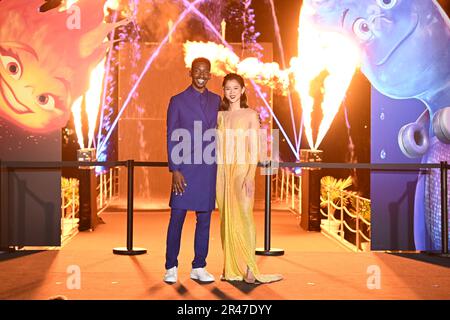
[272, 252]
[439, 254]
[133, 252]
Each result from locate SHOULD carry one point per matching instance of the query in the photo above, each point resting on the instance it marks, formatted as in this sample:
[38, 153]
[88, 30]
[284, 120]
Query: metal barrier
[106, 191]
[69, 208]
[106, 188]
[336, 228]
[288, 189]
[442, 166]
[130, 164]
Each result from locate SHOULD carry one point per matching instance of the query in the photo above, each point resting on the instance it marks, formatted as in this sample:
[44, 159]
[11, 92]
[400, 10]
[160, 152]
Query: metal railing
[106, 188]
[70, 200]
[288, 189]
[336, 227]
[70, 204]
[288, 192]
[270, 168]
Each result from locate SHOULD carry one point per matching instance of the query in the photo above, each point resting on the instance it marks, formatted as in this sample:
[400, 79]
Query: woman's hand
[248, 187]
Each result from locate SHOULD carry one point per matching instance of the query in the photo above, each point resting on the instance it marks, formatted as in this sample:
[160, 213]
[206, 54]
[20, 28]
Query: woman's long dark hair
[225, 105]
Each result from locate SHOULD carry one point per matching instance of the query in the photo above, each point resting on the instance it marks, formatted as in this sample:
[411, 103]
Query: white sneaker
[202, 275]
[171, 275]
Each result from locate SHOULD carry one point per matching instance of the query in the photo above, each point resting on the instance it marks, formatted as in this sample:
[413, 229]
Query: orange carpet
[314, 267]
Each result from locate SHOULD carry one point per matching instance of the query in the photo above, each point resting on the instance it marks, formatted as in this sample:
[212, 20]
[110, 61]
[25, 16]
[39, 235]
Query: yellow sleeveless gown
[235, 205]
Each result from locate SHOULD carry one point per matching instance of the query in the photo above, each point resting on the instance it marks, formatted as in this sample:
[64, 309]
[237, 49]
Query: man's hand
[178, 183]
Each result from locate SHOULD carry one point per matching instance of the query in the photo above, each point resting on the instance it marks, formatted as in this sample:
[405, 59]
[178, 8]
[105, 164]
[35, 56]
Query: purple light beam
[147, 66]
[258, 91]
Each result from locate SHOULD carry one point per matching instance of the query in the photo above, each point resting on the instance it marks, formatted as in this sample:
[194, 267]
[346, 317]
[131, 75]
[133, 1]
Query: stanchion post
[267, 250]
[129, 250]
[267, 212]
[444, 208]
[130, 204]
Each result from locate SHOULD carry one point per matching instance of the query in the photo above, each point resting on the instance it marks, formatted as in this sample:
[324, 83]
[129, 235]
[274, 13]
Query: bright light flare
[112, 4]
[319, 51]
[93, 98]
[223, 61]
[76, 111]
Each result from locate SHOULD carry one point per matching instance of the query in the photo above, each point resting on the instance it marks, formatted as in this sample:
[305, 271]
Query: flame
[112, 4]
[93, 94]
[268, 74]
[70, 3]
[93, 98]
[76, 111]
[224, 60]
[319, 51]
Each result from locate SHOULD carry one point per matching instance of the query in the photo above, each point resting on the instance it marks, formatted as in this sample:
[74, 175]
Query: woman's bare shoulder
[251, 111]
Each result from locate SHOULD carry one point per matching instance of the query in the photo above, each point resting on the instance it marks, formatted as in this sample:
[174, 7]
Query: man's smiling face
[200, 74]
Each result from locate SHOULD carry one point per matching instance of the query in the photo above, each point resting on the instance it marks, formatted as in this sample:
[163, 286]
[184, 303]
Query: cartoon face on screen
[44, 63]
[406, 54]
[37, 103]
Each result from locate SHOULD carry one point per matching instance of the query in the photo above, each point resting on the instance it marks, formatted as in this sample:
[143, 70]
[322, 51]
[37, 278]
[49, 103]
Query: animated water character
[45, 62]
[406, 54]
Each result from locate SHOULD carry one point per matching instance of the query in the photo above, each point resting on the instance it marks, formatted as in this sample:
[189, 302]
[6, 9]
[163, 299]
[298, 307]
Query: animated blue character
[406, 54]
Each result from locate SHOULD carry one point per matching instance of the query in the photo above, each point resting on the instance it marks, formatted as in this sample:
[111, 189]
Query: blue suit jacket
[185, 112]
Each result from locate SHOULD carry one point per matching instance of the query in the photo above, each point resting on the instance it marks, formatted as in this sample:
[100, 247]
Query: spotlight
[86, 154]
[309, 155]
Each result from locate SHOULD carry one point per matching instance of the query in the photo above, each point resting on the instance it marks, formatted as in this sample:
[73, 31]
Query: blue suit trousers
[201, 243]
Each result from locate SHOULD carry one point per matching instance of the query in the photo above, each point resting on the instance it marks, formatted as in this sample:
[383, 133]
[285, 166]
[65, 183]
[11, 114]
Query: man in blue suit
[190, 115]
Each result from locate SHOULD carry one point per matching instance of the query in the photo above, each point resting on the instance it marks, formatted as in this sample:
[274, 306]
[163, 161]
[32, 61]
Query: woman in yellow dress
[237, 132]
